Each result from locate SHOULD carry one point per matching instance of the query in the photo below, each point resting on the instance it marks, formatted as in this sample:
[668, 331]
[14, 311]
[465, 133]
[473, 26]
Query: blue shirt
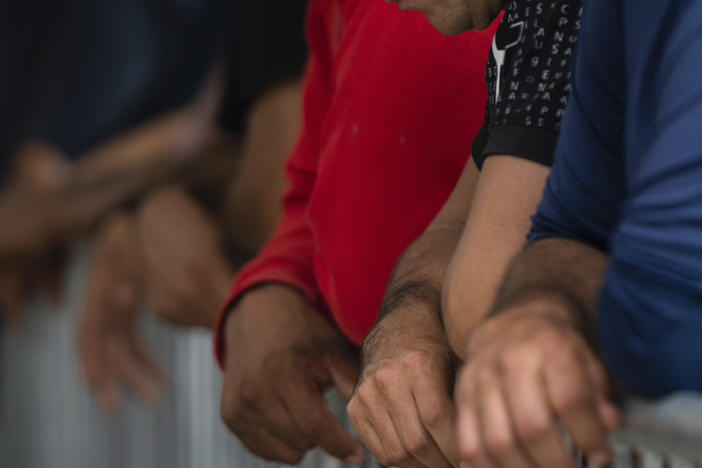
[627, 179]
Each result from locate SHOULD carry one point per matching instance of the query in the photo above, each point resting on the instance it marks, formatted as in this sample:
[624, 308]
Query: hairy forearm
[410, 311]
[559, 269]
[419, 273]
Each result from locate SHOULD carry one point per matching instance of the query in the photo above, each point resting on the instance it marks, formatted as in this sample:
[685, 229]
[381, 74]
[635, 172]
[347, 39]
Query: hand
[187, 276]
[108, 347]
[529, 376]
[402, 408]
[281, 356]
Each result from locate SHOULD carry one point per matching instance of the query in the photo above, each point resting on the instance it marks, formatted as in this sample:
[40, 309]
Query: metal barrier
[664, 434]
[48, 419]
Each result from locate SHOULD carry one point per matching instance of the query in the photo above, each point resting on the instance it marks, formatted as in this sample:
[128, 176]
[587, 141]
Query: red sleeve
[288, 255]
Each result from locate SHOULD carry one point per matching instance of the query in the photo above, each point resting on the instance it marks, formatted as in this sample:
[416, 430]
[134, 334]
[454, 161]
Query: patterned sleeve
[527, 78]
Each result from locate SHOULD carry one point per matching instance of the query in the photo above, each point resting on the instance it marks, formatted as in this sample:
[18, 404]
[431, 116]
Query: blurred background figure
[141, 153]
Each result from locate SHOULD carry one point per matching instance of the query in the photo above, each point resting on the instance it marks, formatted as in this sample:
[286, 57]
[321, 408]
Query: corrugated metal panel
[50, 421]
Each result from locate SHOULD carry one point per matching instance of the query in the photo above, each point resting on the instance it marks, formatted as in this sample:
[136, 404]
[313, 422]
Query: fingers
[518, 401]
[471, 446]
[129, 370]
[149, 364]
[309, 409]
[437, 414]
[573, 398]
[99, 378]
[499, 438]
[372, 422]
[414, 438]
[533, 417]
[259, 441]
[393, 421]
[344, 370]
[263, 423]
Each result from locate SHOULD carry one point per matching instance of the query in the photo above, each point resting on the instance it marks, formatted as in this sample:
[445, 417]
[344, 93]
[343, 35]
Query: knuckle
[566, 401]
[249, 393]
[471, 452]
[396, 456]
[385, 379]
[532, 429]
[353, 409]
[434, 415]
[497, 443]
[363, 395]
[416, 359]
[417, 444]
[512, 359]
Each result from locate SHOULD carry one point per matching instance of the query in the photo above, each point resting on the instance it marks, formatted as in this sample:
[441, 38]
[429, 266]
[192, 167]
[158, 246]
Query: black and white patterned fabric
[527, 77]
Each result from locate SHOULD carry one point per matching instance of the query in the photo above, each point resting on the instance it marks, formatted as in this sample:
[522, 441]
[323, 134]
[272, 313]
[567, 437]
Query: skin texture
[402, 408]
[408, 345]
[455, 16]
[185, 270]
[109, 348]
[494, 233]
[276, 372]
[530, 370]
[186, 273]
[255, 191]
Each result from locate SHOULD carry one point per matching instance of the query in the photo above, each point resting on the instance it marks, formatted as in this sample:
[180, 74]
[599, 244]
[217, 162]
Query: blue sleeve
[650, 310]
[584, 190]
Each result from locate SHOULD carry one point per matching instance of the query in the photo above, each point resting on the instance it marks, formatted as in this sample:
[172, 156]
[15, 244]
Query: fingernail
[465, 464]
[600, 458]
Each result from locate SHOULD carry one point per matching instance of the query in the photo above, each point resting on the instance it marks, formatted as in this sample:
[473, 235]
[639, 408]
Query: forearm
[253, 201]
[413, 294]
[494, 233]
[563, 270]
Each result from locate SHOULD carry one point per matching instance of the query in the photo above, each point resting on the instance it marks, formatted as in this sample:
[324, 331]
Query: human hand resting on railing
[402, 409]
[109, 348]
[281, 355]
[529, 376]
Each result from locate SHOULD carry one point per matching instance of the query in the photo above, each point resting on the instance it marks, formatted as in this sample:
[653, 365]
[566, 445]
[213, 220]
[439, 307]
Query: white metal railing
[48, 419]
[666, 433]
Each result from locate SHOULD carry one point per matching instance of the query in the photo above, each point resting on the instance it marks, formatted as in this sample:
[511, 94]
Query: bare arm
[253, 200]
[406, 357]
[419, 273]
[505, 198]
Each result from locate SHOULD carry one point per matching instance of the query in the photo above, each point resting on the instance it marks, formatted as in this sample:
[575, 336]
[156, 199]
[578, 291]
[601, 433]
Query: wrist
[409, 327]
[552, 303]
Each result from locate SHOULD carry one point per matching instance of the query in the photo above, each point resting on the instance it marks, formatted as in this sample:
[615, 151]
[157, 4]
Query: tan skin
[276, 372]
[485, 438]
[184, 271]
[530, 370]
[108, 343]
[49, 201]
[408, 345]
[455, 16]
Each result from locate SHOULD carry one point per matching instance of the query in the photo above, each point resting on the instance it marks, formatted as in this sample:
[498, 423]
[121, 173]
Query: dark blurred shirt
[76, 72]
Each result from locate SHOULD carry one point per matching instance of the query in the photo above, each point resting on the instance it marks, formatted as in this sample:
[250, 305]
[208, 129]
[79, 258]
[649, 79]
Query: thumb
[344, 369]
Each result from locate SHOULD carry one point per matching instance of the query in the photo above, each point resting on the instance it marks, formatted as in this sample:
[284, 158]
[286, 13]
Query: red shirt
[390, 109]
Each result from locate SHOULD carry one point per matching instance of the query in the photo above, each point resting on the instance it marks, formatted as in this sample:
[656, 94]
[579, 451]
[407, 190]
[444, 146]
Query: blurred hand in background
[109, 347]
[187, 275]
